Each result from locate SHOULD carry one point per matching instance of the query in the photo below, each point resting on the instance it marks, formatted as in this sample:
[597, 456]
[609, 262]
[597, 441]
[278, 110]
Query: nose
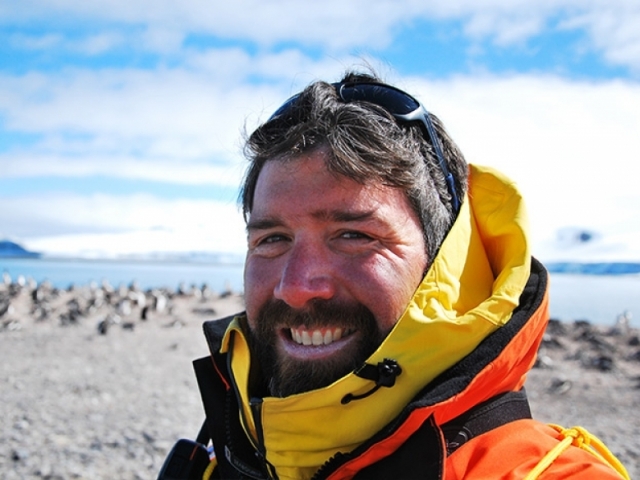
[307, 275]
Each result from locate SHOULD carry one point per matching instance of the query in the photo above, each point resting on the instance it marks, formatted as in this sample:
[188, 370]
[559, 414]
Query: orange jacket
[413, 445]
[516, 448]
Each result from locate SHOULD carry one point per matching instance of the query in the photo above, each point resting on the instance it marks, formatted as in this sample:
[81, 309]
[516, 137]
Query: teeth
[337, 334]
[318, 336]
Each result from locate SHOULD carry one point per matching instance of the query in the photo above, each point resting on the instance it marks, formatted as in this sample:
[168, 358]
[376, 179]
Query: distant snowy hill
[585, 251]
[615, 268]
[13, 250]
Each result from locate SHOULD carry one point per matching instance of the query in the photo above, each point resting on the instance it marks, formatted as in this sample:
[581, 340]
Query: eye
[267, 240]
[353, 242]
[273, 239]
[268, 245]
[354, 235]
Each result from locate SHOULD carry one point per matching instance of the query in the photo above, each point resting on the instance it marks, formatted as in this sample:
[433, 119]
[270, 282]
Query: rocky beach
[97, 381]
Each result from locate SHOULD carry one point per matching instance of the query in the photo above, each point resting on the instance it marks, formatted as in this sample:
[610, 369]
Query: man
[392, 307]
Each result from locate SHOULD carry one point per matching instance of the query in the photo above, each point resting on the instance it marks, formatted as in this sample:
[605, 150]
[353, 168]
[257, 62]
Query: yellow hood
[470, 291]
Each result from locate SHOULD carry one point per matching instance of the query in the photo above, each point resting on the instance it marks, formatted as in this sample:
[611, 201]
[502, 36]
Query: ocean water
[63, 273]
[597, 298]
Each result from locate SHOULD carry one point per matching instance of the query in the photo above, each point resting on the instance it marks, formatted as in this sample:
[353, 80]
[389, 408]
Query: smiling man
[332, 264]
[393, 309]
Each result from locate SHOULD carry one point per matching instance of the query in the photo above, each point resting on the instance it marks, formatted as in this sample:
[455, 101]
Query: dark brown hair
[361, 141]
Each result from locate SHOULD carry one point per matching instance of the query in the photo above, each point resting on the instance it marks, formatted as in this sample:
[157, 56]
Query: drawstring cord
[384, 374]
[580, 438]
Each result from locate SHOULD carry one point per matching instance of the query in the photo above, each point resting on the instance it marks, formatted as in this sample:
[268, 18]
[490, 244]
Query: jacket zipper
[255, 405]
[256, 409]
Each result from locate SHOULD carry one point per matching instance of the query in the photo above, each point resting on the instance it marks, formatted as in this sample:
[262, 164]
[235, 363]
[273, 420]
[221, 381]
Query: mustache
[318, 313]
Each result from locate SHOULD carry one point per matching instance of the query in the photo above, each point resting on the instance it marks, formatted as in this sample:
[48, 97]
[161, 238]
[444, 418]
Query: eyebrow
[341, 216]
[344, 215]
[263, 223]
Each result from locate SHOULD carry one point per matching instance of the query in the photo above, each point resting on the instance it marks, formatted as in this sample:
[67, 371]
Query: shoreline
[170, 260]
[163, 275]
[163, 261]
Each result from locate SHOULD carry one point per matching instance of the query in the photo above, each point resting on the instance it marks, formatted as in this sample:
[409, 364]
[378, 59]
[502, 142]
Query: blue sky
[121, 121]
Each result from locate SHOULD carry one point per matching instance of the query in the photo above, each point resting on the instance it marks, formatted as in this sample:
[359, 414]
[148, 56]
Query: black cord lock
[384, 374]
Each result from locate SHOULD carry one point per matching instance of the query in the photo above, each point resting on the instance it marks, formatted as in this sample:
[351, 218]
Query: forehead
[306, 186]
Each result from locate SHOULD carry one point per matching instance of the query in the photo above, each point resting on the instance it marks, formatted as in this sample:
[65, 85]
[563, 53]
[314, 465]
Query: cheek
[259, 282]
[384, 287]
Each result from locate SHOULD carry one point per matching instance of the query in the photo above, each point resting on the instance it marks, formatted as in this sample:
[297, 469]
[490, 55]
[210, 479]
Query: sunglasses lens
[394, 101]
[284, 107]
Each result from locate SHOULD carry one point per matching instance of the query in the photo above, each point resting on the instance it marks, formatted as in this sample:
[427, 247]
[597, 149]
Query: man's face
[331, 266]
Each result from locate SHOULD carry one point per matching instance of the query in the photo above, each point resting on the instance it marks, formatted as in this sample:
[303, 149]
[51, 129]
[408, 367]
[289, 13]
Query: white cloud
[209, 97]
[124, 102]
[100, 43]
[570, 145]
[89, 45]
[162, 169]
[87, 116]
[36, 42]
[182, 124]
[611, 27]
[505, 28]
[143, 243]
[335, 24]
[602, 247]
[115, 225]
[614, 30]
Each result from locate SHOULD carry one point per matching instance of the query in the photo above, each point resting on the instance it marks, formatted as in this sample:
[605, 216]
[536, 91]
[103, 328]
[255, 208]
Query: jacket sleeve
[514, 450]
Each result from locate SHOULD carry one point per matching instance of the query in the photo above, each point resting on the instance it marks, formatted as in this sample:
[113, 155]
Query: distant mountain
[599, 268]
[189, 257]
[13, 250]
[584, 251]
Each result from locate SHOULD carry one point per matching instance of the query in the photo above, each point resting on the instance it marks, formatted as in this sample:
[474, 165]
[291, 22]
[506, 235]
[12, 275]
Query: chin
[293, 374]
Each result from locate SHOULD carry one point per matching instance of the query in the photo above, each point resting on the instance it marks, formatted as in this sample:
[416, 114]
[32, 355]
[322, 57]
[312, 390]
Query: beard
[283, 375]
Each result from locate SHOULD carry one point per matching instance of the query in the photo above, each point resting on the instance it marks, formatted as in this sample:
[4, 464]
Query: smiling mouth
[318, 336]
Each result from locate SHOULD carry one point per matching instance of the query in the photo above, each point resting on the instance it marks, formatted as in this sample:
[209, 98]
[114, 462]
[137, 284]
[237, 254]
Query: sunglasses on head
[402, 106]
